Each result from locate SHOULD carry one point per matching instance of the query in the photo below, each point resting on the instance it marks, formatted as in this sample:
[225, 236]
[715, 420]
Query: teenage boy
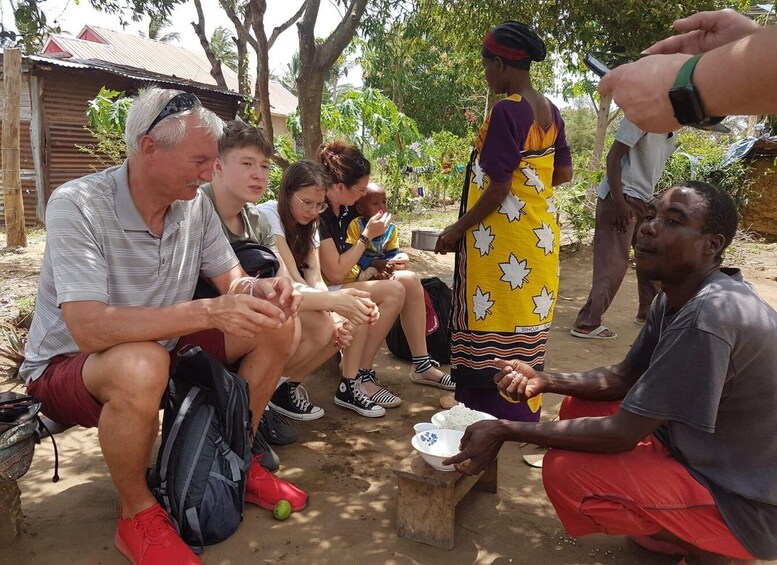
[240, 177]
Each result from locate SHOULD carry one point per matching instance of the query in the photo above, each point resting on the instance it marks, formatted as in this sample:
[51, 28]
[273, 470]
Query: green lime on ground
[282, 510]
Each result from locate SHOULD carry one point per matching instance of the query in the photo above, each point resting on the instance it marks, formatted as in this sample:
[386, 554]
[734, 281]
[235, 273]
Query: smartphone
[599, 68]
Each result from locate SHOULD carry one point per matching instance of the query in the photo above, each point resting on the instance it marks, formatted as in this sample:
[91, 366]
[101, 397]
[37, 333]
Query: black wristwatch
[686, 103]
[364, 239]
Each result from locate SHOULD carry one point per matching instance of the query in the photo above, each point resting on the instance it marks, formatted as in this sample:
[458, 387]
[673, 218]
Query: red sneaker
[266, 490]
[149, 538]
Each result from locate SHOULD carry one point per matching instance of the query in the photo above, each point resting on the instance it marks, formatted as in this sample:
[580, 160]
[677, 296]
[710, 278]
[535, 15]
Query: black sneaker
[276, 429]
[291, 400]
[269, 459]
[350, 394]
[382, 397]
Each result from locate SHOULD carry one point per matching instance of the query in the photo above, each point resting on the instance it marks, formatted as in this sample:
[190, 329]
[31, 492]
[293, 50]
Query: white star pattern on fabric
[515, 272]
[512, 207]
[545, 237]
[551, 205]
[483, 239]
[532, 179]
[481, 304]
[543, 302]
[478, 175]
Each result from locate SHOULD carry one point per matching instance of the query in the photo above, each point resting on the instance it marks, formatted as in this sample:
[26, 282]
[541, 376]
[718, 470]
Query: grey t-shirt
[98, 248]
[643, 165]
[710, 370]
[256, 227]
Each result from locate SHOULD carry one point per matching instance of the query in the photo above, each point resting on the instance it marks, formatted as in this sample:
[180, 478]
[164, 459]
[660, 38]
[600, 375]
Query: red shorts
[635, 493]
[64, 396]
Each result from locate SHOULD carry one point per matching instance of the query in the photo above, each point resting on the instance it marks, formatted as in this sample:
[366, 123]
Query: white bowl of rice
[459, 417]
[437, 445]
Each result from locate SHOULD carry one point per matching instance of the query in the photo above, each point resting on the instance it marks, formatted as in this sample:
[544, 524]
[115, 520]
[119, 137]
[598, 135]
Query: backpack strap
[236, 464]
[171, 439]
[193, 522]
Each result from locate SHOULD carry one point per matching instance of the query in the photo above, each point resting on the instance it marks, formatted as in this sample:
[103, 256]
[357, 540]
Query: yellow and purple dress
[507, 266]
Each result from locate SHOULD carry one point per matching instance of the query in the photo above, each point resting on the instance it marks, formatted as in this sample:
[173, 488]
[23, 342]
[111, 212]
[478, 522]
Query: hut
[58, 84]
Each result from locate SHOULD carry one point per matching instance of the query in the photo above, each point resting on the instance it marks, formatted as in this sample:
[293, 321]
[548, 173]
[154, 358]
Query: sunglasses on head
[178, 103]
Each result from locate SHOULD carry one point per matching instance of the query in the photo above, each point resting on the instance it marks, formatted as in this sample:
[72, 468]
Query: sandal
[421, 364]
[594, 333]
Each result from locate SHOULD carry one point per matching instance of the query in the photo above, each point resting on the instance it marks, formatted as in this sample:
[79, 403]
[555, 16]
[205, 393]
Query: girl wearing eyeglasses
[295, 220]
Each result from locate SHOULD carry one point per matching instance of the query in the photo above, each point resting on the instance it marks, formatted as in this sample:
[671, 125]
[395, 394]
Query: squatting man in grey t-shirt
[676, 445]
[124, 249]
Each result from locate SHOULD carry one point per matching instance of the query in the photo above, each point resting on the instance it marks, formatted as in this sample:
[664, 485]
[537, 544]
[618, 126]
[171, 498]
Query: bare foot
[370, 388]
[433, 374]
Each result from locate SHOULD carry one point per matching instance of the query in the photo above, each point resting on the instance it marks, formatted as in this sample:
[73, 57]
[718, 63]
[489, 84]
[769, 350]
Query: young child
[383, 255]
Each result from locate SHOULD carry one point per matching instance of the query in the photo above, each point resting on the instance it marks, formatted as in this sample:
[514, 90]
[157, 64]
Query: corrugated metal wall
[26, 165]
[65, 97]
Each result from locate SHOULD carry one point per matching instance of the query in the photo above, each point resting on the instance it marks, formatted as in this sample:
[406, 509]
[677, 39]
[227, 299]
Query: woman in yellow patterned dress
[506, 238]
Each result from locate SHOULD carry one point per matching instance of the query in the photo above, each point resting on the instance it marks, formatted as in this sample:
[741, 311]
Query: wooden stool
[427, 499]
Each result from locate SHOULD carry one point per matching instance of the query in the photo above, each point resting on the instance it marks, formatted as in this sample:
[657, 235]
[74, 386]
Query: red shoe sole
[122, 547]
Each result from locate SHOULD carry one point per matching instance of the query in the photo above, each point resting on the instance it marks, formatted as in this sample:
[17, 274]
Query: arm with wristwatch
[723, 64]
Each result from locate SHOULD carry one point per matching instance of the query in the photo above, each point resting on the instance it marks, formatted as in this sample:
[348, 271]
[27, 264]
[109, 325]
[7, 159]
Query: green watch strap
[685, 74]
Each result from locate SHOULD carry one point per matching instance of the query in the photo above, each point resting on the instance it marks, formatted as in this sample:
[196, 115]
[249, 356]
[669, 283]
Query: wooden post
[12, 183]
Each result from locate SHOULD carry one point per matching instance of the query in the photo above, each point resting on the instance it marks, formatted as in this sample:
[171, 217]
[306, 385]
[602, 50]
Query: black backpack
[437, 342]
[256, 260]
[201, 468]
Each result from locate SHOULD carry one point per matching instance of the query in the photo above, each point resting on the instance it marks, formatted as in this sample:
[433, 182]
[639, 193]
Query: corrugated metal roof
[129, 72]
[282, 101]
[180, 64]
[143, 53]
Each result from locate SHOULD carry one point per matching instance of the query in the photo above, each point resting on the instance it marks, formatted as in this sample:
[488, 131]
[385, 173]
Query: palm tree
[289, 78]
[156, 25]
[223, 47]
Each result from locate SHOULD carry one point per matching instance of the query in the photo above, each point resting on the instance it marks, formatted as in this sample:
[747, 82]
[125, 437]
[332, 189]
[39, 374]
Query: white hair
[172, 129]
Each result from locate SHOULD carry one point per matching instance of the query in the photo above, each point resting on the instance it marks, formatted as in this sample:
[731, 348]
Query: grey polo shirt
[98, 248]
[643, 165]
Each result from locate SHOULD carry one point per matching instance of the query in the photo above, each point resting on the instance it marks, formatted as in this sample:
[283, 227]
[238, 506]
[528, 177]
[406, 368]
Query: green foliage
[428, 61]
[433, 82]
[448, 154]
[580, 126]
[285, 148]
[156, 26]
[223, 47]
[107, 114]
[698, 158]
[573, 208]
[371, 121]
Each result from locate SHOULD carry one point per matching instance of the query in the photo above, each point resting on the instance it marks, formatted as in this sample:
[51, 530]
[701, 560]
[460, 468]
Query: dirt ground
[346, 463]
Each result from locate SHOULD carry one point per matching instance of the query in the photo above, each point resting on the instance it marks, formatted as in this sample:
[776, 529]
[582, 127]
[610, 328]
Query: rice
[459, 417]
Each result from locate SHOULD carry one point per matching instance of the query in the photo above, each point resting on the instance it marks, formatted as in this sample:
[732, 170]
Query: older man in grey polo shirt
[125, 247]
[635, 163]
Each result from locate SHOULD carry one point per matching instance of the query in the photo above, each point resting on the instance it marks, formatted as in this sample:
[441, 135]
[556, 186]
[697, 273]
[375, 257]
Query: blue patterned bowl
[436, 445]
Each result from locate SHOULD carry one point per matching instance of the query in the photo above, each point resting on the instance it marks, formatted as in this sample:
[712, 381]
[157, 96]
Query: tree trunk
[12, 183]
[315, 62]
[262, 87]
[309, 99]
[215, 64]
[242, 75]
[602, 121]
